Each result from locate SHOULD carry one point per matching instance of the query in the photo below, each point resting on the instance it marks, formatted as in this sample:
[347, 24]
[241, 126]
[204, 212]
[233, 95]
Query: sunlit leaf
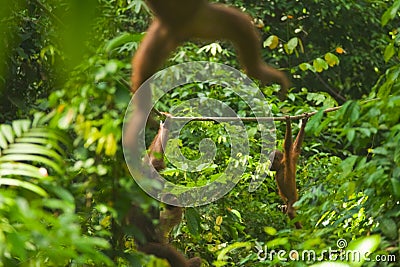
[292, 44]
[222, 254]
[271, 42]
[277, 242]
[111, 145]
[364, 246]
[236, 213]
[305, 66]
[20, 126]
[331, 59]
[218, 221]
[390, 13]
[121, 40]
[3, 141]
[7, 132]
[29, 186]
[20, 169]
[32, 149]
[32, 158]
[270, 230]
[319, 64]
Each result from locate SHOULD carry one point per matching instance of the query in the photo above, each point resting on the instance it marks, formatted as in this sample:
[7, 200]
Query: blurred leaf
[122, 40]
[270, 231]
[271, 42]
[193, 221]
[389, 228]
[218, 221]
[305, 66]
[364, 246]
[389, 52]
[277, 242]
[314, 121]
[350, 134]
[292, 44]
[396, 187]
[222, 254]
[20, 126]
[347, 166]
[319, 64]
[331, 59]
[18, 183]
[7, 132]
[390, 13]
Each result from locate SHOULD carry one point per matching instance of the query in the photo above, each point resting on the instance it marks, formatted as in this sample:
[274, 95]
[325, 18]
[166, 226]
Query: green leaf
[26, 157]
[54, 145]
[306, 66]
[18, 183]
[270, 230]
[354, 111]
[7, 132]
[193, 221]
[348, 188]
[51, 134]
[389, 52]
[396, 187]
[278, 242]
[314, 121]
[390, 13]
[237, 214]
[3, 141]
[331, 59]
[350, 134]
[33, 149]
[111, 67]
[38, 119]
[351, 111]
[292, 44]
[22, 169]
[271, 42]
[364, 246]
[20, 126]
[319, 64]
[62, 194]
[17, 242]
[222, 254]
[384, 90]
[389, 228]
[347, 166]
[121, 40]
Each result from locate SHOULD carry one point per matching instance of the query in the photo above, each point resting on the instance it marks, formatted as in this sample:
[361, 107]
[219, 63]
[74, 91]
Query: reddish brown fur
[180, 20]
[285, 166]
[156, 236]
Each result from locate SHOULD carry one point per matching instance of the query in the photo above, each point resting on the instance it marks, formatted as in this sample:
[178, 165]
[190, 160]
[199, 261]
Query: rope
[250, 119]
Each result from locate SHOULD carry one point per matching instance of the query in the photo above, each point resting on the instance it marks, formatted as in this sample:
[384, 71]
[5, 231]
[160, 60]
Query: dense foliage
[64, 89]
